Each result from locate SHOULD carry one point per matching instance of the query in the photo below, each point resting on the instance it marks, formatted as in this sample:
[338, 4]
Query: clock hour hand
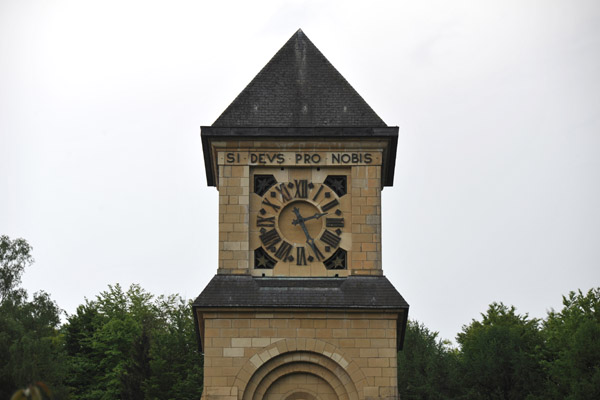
[317, 216]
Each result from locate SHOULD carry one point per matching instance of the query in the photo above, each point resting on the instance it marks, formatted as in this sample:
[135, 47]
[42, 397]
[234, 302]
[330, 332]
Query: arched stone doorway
[300, 374]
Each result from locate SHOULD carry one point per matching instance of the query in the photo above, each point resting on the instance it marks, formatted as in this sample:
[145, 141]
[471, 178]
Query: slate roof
[243, 291]
[299, 88]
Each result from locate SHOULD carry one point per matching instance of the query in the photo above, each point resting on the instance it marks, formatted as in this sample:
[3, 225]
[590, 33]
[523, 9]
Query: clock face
[300, 222]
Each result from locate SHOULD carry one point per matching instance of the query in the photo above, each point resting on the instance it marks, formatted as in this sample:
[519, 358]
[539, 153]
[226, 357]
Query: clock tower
[300, 307]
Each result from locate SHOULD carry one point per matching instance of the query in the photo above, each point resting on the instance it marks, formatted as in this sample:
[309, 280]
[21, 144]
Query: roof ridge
[298, 87]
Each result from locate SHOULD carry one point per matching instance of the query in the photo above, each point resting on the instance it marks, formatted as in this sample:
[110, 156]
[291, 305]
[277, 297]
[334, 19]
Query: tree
[31, 347]
[500, 356]
[83, 362]
[175, 361]
[131, 345]
[15, 256]
[426, 365]
[573, 339]
[107, 342]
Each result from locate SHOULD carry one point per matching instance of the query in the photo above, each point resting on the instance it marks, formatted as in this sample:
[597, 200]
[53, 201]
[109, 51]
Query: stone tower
[299, 307]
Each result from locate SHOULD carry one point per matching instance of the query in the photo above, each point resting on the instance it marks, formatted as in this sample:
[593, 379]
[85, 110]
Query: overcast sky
[497, 188]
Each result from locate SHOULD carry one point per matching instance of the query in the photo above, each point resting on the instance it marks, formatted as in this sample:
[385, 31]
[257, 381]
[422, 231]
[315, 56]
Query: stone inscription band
[288, 158]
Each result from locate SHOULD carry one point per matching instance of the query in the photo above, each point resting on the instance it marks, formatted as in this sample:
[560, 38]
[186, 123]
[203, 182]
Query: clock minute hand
[300, 221]
[309, 240]
[314, 248]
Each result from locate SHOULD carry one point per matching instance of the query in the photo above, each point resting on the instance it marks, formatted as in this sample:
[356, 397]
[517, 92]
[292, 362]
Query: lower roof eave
[295, 307]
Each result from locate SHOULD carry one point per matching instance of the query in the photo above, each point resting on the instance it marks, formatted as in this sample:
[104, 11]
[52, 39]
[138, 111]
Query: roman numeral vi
[300, 256]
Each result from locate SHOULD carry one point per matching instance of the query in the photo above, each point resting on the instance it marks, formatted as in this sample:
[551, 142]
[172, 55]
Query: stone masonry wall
[366, 220]
[233, 219]
[234, 186]
[360, 349]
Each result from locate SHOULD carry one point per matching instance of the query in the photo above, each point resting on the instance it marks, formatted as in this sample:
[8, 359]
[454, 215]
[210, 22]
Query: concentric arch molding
[310, 356]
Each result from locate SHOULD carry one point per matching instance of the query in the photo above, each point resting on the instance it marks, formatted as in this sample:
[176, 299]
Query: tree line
[130, 344]
[506, 355]
[124, 344]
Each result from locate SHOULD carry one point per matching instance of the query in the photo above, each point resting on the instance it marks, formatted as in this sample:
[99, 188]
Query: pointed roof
[299, 88]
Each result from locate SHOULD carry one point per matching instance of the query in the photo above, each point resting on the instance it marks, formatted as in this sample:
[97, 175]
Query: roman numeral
[334, 222]
[283, 251]
[330, 238]
[300, 256]
[318, 193]
[285, 194]
[270, 238]
[266, 221]
[330, 205]
[268, 203]
[301, 188]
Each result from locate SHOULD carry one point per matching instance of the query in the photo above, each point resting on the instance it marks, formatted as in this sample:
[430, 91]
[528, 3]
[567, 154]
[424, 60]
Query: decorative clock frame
[299, 219]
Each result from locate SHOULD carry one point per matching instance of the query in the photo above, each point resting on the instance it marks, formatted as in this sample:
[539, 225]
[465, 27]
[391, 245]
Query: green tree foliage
[31, 346]
[131, 345]
[15, 256]
[573, 340]
[175, 362]
[500, 356]
[426, 366]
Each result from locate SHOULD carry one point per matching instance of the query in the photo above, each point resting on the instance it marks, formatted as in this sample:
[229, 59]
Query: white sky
[497, 188]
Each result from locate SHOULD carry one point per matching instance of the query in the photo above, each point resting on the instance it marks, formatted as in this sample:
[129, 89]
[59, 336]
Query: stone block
[261, 342]
[241, 342]
[233, 352]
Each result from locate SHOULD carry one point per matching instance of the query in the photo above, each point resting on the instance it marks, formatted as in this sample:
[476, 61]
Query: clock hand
[300, 221]
[314, 248]
[309, 240]
[317, 216]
